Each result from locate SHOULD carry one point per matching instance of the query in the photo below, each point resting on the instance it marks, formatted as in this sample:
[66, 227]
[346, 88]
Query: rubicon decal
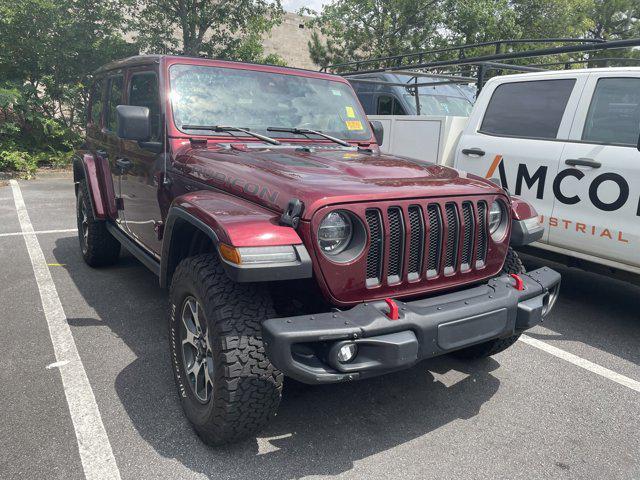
[535, 180]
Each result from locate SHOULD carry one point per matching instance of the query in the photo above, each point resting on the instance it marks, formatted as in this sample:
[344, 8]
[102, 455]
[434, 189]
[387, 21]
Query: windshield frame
[367, 133]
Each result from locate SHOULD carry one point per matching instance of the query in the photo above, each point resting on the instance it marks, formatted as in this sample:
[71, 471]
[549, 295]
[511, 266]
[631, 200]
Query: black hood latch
[291, 216]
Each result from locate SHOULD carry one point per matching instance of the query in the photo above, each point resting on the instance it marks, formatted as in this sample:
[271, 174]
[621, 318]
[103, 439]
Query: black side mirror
[133, 123]
[378, 131]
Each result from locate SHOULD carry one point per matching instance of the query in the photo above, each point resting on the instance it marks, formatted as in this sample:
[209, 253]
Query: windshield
[441, 105]
[208, 96]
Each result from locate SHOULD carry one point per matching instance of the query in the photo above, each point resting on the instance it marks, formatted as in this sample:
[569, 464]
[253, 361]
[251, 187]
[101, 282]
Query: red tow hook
[519, 283]
[393, 314]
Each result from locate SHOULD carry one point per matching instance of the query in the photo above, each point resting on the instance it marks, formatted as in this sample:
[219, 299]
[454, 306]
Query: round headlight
[495, 217]
[498, 220]
[334, 233]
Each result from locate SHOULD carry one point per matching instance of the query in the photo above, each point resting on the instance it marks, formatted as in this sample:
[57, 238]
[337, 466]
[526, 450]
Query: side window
[388, 105]
[527, 109]
[385, 105]
[397, 108]
[143, 91]
[614, 113]
[114, 99]
[96, 103]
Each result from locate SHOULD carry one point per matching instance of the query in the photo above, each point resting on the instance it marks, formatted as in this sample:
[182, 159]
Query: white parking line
[96, 455]
[39, 232]
[582, 363]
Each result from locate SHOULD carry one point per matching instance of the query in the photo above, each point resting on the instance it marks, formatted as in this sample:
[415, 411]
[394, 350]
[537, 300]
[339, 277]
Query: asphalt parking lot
[566, 406]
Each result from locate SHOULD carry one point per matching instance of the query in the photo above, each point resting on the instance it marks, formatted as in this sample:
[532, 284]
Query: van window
[114, 99]
[527, 109]
[614, 113]
[96, 103]
[143, 92]
[388, 105]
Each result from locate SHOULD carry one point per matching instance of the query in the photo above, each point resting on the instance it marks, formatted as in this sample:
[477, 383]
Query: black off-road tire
[246, 387]
[512, 264]
[99, 248]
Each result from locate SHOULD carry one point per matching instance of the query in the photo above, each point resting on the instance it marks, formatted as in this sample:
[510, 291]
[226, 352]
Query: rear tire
[512, 264]
[236, 390]
[99, 248]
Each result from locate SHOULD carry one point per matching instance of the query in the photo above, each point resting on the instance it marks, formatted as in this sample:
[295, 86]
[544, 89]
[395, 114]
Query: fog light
[347, 352]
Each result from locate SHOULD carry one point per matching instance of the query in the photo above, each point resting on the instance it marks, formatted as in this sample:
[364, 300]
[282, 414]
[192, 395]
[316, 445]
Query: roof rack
[453, 65]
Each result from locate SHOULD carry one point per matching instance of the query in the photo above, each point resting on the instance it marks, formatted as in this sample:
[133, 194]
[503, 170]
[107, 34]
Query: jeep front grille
[425, 241]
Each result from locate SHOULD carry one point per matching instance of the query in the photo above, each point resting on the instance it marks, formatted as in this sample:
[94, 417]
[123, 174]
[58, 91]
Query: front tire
[512, 264]
[99, 248]
[227, 386]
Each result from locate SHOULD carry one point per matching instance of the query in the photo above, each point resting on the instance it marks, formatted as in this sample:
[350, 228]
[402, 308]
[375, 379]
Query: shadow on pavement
[594, 309]
[318, 430]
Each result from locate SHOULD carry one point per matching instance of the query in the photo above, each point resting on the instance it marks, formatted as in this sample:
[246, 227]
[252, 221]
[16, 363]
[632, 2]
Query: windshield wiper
[221, 128]
[306, 131]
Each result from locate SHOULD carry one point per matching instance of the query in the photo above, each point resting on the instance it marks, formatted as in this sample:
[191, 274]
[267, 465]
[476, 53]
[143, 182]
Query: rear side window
[614, 113]
[143, 92]
[96, 102]
[389, 106]
[113, 100]
[527, 109]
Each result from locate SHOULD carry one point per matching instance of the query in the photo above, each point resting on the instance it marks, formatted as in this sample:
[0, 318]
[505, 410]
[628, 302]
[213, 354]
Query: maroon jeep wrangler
[289, 243]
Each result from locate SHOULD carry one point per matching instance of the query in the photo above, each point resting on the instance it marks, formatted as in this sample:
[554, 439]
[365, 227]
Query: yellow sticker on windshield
[350, 112]
[353, 125]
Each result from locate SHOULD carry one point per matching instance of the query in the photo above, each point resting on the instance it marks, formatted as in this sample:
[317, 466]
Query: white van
[568, 142]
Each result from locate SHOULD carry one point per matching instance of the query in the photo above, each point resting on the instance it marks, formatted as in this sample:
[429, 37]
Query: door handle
[103, 153]
[473, 151]
[124, 163]
[582, 162]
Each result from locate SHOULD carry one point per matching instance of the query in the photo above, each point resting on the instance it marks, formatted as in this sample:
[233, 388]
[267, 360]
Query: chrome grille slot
[453, 232]
[396, 244]
[469, 235]
[416, 242]
[375, 253]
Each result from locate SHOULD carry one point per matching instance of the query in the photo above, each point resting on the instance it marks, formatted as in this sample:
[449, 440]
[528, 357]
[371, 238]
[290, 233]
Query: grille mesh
[416, 244]
[374, 256]
[430, 252]
[482, 232]
[396, 243]
[469, 230]
[435, 238]
[451, 248]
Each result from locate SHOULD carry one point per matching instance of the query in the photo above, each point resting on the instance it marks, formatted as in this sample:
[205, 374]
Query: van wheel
[512, 264]
[99, 248]
[227, 386]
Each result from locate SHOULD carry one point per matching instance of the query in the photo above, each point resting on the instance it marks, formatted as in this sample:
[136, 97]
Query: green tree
[223, 29]
[48, 48]
[360, 29]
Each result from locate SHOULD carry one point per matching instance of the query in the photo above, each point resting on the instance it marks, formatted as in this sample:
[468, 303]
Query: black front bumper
[304, 347]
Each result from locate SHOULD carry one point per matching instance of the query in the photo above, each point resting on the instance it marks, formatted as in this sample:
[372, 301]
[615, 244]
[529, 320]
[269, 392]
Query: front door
[108, 144]
[142, 165]
[514, 135]
[597, 209]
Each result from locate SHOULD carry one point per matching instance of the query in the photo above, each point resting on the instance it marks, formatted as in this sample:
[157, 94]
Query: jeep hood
[324, 176]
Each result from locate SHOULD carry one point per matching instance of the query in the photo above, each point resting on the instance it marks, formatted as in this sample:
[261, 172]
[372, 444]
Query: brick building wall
[289, 40]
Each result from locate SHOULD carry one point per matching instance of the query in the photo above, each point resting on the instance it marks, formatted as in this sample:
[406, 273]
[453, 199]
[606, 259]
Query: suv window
[96, 103]
[143, 92]
[113, 100]
[614, 113]
[388, 105]
[527, 109]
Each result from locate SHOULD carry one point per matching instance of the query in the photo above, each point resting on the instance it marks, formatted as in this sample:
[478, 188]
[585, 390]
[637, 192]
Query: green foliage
[356, 29]
[226, 29]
